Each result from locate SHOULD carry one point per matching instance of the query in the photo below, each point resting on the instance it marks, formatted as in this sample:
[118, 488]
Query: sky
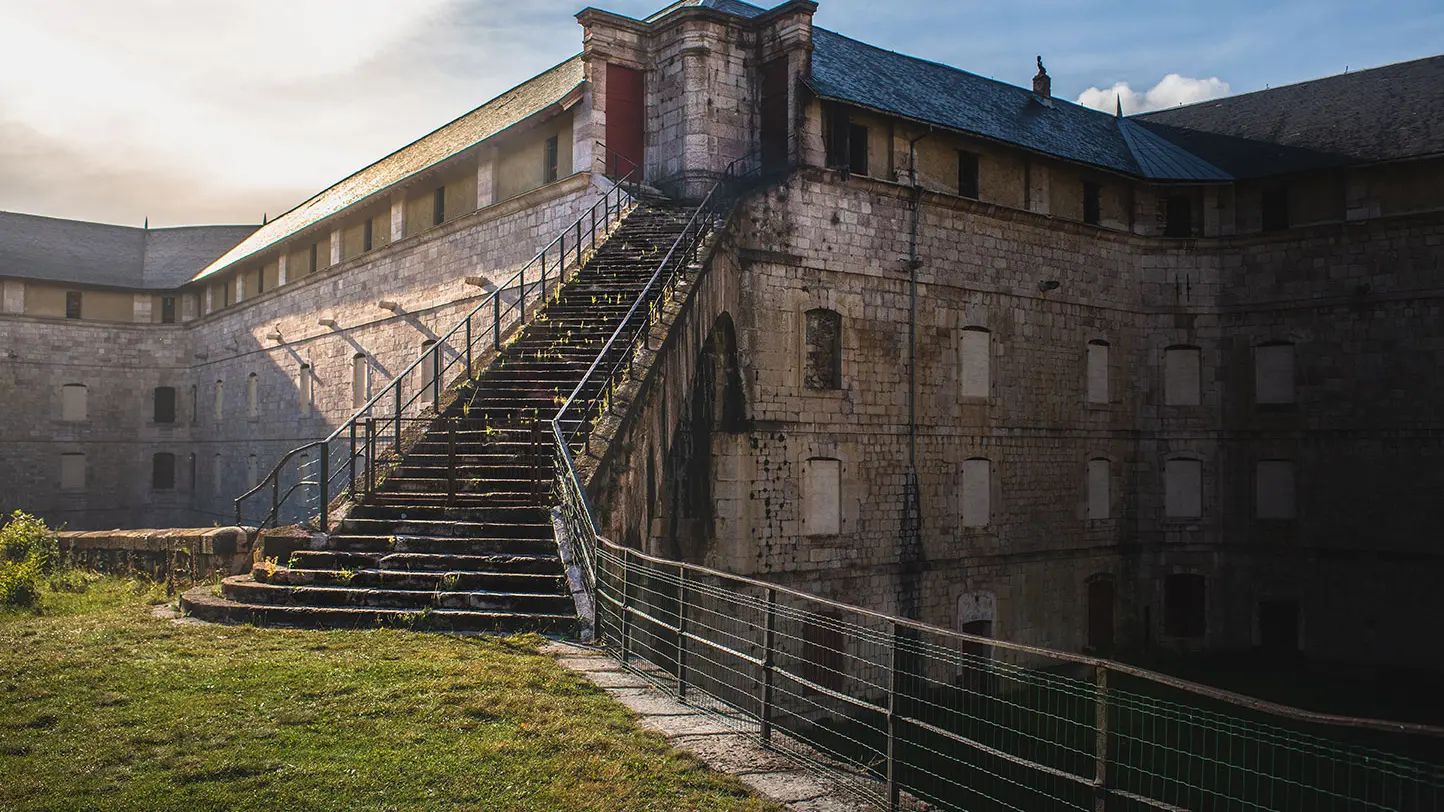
[215, 111]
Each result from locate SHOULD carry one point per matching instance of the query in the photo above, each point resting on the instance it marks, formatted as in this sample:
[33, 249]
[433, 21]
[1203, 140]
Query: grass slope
[104, 707]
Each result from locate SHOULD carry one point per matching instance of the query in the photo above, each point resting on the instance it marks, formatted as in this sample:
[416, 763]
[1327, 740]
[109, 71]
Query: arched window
[360, 380]
[253, 396]
[1185, 605]
[164, 398]
[218, 404]
[1100, 489]
[822, 338]
[975, 375]
[977, 614]
[304, 386]
[1097, 387]
[162, 471]
[1274, 496]
[1273, 374]
[1183, 489]
[977, 492]
[72, 472]
[74, 406]
[822, 497]
[1182, 376]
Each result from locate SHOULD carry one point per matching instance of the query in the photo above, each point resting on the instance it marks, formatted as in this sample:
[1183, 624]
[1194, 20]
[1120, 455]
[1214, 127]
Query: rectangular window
[162, 472]
[1100, 496]
[857, 149]
[549, 167]
[1275, 208]
[968, 174]
[167, 310]
[311, 268]
[1185, 605]
[1092, 203]
[164, 404]
[218, 402]
[72, 472]
[1097, 372]
[822, 497]
[1182, 374]
[260, 281]
[977, 493]
[225, 294]
[367, 233]
[1183, 489]
[1274, 490]
[1274, 374]
[1178, 217]
[73, 402]
[438, 206]
[822, 367]
[72, 304]
[977, 363]
[838, 129]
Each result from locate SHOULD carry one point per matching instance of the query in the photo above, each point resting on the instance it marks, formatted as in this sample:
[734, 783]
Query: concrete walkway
[767, 773]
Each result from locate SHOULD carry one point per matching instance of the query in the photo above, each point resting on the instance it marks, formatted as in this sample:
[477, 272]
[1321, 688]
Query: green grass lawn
[104, 707]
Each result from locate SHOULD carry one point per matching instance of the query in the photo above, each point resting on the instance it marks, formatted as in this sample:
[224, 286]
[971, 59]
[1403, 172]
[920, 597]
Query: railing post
[1100, 747]
[325, 486]
[351, 460]
[275, 496]
[626, 621]
[561, 254]
[468, 346]
[398, 416]
[496, 320]
[521, 295]
[682, 632]
[579, 243]
[769, 642]
[892, 685]
[436, 376]
[450, 460]
[370, 454]
[593, 213]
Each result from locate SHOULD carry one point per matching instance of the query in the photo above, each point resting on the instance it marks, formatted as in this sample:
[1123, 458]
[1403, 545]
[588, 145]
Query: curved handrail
[517, 282]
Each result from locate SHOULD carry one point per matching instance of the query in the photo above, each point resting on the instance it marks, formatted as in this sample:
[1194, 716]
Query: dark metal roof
[74, 251]
[846, 70]
[511, 107]
[1380, 114]
[734, 7]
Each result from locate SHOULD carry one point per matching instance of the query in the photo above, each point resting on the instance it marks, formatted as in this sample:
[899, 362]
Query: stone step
[244, 589]
[449, 580]
[536, 563]
[438, 545]
[204, 604]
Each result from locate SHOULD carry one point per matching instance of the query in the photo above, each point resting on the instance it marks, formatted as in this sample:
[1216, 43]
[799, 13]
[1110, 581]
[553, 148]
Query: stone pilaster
[281, 275]
[336, 247]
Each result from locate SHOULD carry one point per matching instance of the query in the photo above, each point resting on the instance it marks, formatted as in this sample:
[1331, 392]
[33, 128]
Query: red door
[625, 106]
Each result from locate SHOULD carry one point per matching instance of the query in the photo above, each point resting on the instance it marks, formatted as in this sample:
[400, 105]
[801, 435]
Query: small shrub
[29, 551]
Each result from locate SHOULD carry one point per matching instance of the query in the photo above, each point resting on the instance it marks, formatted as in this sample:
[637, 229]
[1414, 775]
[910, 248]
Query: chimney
[1042, 85]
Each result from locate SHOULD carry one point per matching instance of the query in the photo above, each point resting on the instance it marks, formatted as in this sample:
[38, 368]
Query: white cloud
[1171, 90]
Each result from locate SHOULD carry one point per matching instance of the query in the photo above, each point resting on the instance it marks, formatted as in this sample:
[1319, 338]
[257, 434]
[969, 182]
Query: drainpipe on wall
[911, 553]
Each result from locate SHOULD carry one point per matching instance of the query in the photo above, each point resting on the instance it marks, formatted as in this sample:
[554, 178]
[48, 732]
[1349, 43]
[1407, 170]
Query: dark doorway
[626, 107]
[774, 114]
[1100, 614]
[1278, 626]
[973, 676]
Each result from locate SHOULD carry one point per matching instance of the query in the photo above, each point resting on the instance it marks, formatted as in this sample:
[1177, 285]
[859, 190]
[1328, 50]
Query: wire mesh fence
[897, 709]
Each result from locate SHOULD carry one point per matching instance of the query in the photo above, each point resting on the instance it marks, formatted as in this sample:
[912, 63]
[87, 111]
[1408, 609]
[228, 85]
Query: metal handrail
[611, 204]
[635, 169]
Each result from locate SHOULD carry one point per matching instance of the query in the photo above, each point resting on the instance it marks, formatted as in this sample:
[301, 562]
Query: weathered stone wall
[164, 555]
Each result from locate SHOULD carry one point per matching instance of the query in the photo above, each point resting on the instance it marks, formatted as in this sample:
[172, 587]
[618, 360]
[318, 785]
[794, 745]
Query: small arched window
[74, 405]
[164, 398]
[360, 380]
[975, 375]
[305, 385]
[162, 471]
[1097, 385]
[822, 339]
[253, 396]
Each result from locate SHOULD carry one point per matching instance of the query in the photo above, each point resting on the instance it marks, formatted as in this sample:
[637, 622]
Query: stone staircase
[458, 536]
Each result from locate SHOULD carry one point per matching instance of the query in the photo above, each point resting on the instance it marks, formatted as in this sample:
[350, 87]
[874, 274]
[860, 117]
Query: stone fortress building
[989, 358]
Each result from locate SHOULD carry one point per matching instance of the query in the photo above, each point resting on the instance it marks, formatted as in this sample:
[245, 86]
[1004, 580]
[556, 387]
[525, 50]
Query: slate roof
[77, 252]
[1379, 114]
[526, 99]
[734, 7]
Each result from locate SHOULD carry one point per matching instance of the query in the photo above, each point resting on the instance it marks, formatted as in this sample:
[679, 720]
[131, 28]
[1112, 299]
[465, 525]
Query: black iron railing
[374, 433]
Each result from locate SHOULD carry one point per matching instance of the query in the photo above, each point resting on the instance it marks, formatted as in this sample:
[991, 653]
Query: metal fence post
[626, 622]
[351, 460]
[682, 632]
[325, 486]
[275, 495]
[594, 227]
[370, 454]
[496, 320]
[398, 416]
[521, 295]
[436, 376]
[579, 243]
[1100, 747]
[892, 714]
[769, 642]
[468, 346]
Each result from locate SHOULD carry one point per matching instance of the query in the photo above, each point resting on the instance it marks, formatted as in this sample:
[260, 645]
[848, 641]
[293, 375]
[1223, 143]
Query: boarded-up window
[1273, 378]
[1274, 490]
[162, 471]
[305, 384]
[1100, 490]
[72, 472]
[823, 339]
[74, 405]
[164, 397]
[253, 396]
[1182, 376]
[1097, 372]
[968, 174]
[219, 401]
[976, 373]
[822, 497]
[167, 310]
[1183, 489]
[977, 493]
[824, 650]
[1184, 605]
[360, 380]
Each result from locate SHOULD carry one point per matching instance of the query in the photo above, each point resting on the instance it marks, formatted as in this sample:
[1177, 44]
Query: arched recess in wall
[715, 404]
[253, 396]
